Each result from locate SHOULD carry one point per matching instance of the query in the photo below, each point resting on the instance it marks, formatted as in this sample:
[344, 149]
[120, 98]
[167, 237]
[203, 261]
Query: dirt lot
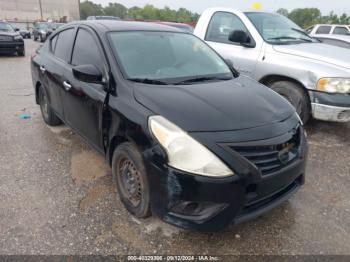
[56, 195]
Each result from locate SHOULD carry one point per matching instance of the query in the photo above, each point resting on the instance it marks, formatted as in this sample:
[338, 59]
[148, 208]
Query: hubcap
[44, 106]
[130, 181]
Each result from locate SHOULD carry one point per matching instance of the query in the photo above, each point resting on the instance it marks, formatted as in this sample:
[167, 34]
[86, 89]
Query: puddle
[88, 166]
[93, 195]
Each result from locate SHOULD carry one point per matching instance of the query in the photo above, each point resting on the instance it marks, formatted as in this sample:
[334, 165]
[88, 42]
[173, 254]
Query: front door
[83, 102]
[243, 58]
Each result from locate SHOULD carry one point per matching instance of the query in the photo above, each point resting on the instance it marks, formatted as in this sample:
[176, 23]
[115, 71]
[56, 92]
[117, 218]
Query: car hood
[8, 33]
[318, 51]
[236, 104]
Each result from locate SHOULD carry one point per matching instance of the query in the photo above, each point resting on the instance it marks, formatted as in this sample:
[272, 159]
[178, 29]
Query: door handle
[42, 69]
[67, 86]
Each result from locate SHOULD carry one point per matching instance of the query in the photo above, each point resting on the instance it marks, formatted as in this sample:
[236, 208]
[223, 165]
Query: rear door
[53, 67]
[83, 102]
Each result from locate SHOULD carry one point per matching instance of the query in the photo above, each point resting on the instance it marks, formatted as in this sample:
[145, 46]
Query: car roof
[113, 25]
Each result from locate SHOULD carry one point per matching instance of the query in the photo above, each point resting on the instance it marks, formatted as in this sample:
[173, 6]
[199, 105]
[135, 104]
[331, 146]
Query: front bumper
[331, 107]
[8, 47]
[211, 204]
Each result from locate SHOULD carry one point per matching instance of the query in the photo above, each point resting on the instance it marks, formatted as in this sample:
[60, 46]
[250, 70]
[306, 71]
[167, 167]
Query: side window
[323, 30]
[221, 25]
[64, 43]
[340, 30]
[86, 51]
[53, 43]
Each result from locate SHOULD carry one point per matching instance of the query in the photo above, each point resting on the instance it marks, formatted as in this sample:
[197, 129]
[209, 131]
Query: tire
[22, 53]
[130, 179]
[48, 115]
[295, 95]
[41, 38]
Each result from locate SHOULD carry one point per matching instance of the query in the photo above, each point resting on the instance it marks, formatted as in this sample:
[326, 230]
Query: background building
[29, 11]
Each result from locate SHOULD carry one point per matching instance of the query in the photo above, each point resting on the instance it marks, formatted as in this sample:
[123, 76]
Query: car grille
[272, 157]
[5, 38]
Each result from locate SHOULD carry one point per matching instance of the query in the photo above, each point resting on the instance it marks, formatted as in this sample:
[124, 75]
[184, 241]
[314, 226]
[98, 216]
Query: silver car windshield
[277, 29]
[166, 56]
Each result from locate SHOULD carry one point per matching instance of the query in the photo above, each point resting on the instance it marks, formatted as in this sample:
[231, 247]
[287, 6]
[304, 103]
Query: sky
[338, 6]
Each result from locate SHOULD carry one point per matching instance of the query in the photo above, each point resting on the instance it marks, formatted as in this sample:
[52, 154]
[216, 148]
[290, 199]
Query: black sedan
[11, 42]
[188, 139]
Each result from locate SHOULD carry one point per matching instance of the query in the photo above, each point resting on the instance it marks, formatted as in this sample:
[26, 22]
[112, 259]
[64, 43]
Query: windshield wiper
[148, 81]
[291, 38]
[202, 79]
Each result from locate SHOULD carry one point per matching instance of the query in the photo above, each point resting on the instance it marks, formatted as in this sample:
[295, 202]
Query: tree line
[148, 12]
[306, 17]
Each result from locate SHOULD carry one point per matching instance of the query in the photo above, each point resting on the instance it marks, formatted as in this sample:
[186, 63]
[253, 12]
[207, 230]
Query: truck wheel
[130, 178]
[295, 95]
[49, 116]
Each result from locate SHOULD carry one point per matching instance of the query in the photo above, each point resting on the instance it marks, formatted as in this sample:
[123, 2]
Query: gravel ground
[56, 195]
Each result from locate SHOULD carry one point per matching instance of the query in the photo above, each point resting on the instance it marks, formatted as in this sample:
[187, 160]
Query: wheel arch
[125, 131]
[38, 85]
[269, 79]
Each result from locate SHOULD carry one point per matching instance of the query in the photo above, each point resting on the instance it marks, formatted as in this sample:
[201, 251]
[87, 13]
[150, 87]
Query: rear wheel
[48, 115]
[295, 94]
[129, 176]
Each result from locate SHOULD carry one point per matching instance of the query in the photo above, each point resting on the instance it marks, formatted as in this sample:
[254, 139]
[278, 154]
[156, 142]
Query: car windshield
[277, 29]
[6, 27]
[169, 58]
[43, 26]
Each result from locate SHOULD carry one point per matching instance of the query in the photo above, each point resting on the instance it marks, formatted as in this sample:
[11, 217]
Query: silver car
[336, 40]
[312, 76]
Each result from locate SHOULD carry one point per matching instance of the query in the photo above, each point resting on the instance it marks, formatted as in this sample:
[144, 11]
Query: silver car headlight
[334, 85]
[17, 37]
[184, 152]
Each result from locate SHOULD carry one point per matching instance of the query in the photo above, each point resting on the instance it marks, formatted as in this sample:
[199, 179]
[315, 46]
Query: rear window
[341, 30]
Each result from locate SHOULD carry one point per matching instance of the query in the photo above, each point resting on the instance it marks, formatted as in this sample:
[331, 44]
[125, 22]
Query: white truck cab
[313, 77]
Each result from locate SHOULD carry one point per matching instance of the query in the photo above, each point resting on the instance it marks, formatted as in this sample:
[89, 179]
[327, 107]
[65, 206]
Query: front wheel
[295, 95]
[22, 53]
[130, 178]
[48, 115]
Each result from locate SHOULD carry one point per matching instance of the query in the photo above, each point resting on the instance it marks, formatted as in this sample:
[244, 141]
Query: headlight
[334, 85]
[17, 37]
[184, 152]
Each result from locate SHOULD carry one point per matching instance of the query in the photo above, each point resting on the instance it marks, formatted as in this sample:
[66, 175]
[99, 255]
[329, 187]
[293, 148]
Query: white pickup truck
[313, 77]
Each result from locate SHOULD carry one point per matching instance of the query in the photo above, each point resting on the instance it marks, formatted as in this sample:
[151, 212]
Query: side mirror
[241, 37]
[17, 29]
[88, 74]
